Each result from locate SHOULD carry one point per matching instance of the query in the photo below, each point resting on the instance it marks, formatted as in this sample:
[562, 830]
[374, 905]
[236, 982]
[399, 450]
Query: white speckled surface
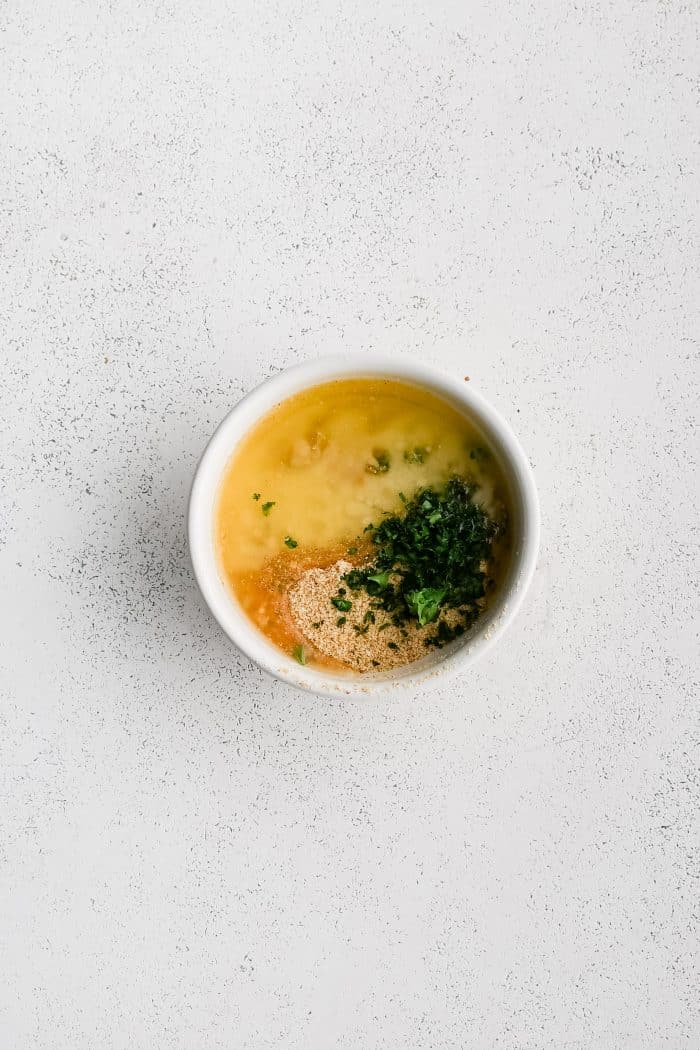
[195, 195]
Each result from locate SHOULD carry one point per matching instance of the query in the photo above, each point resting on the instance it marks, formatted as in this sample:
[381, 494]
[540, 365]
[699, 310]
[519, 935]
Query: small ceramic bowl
[440, 664]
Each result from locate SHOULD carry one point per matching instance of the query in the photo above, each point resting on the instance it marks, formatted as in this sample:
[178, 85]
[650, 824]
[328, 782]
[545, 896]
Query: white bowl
[436, 667]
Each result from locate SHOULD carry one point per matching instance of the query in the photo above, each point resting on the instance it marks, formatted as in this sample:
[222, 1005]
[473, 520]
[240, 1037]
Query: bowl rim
[262, 399]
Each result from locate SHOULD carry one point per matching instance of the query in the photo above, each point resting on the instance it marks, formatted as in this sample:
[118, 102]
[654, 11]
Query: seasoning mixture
[363, 638]
[363, 524]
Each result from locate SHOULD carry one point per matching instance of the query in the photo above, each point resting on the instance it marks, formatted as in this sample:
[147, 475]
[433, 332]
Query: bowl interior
[453, 657]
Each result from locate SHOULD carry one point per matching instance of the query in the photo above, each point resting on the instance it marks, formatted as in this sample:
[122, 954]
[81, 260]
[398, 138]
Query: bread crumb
[362, 638]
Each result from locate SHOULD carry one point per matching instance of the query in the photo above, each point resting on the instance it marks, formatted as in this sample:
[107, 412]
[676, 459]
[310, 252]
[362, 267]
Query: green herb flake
[429, 557]
[382, 462]
[380, 578]
[419, 454]
[299, 654]
[267, 507]
[425, 604]
[256, 495]
[317, 624]
[445, 634]
[341, 621]
[342, 604]
[289, 542]
[392, 645]
[352, 550]
[479, 454]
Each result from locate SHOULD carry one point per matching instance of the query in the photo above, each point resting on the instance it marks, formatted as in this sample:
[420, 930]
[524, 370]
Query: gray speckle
[194, 197]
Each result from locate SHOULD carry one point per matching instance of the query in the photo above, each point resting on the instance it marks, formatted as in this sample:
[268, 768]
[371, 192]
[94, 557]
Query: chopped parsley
[342, 604]
[445, 633]
[419, 454]
[425, 604]
[289, 542]
[376, 582]
[352, 550]
[266, 508]
[382, 462]
[299, 654]
[341, 621]
[429, 558]
[256, 495]
[479, 454]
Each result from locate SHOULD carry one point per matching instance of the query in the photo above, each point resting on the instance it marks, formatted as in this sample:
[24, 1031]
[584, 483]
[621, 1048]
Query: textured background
[194, 196]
